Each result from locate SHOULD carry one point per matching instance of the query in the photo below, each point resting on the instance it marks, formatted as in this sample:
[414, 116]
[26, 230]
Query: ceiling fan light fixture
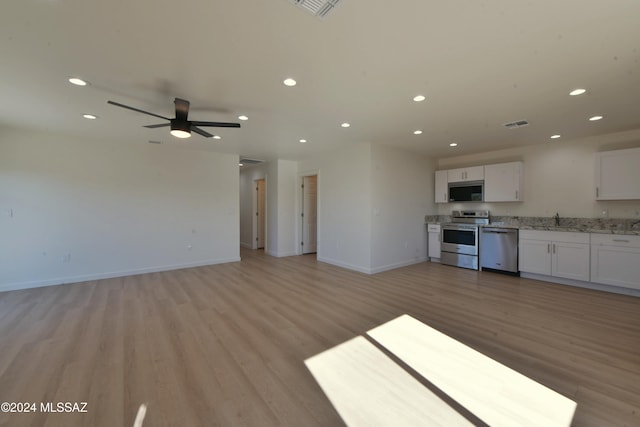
[180, 129]
[179, 133]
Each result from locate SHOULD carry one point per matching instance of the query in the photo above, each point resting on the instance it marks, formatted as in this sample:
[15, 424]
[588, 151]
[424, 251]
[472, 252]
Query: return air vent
[517, 124]
[246, 161]
[319, 8]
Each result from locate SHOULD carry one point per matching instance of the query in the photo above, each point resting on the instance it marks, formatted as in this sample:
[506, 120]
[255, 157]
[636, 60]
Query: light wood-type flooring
[225, 345]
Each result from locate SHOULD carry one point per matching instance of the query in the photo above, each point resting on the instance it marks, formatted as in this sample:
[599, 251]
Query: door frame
[298, 225]
[254, 222]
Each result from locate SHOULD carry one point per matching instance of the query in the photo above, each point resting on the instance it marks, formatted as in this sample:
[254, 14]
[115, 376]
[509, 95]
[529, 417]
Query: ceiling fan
[181, 127]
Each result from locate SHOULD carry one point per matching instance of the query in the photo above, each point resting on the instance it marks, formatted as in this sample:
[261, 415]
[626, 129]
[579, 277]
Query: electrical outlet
[66, 257]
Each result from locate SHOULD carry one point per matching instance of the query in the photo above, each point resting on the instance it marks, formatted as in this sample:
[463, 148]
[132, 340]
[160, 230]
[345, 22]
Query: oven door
[460, 239]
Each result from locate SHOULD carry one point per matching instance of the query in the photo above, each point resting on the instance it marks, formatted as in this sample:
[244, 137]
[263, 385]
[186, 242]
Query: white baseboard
[398, 265]
[280, 254]
[109, 275]
[582, 284]
[348, 266]
[368, 270]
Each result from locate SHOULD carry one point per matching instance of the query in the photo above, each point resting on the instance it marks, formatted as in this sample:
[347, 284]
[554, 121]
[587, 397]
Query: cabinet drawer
[623, 240]
[433, 228]
[555, 236]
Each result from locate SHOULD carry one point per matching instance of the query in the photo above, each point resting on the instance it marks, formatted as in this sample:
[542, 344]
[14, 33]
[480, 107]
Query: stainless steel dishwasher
[499, 249]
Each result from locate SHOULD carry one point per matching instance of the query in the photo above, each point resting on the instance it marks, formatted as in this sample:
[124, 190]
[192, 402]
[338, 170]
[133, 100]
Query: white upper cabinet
[441, 189]
[618, 174]
[503, 182]
[475, 173]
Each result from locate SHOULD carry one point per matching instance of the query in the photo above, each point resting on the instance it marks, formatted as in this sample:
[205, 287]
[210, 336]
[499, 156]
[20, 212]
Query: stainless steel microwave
[470, 191]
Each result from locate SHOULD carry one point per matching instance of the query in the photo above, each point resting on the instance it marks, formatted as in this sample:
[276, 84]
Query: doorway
[309, 214]
[260, 213]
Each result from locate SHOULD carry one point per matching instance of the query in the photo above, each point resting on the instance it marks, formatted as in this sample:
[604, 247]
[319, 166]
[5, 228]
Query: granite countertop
[575, 229]
[626, 226]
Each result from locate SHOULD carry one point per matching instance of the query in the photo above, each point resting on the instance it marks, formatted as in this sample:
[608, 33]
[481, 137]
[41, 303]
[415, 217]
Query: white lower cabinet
[615, 260]
[554, 253]
[433, 236]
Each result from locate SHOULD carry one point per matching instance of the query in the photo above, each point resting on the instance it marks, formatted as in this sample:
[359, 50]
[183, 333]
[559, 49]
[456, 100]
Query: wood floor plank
[225, 344]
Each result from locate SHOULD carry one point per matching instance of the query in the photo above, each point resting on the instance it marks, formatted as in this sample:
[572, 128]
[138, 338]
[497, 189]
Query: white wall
[286, 209]
[117, 209]
[344, 206]
[402, 193]
[558, 177]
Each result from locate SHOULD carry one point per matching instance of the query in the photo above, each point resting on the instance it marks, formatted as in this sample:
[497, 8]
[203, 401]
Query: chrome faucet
[557, 218]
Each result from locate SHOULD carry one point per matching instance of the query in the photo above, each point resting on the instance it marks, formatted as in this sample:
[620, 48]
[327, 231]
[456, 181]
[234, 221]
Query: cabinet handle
[621, 240]
[548, 247]
[597, 192]
[516, 194]
[554, 248]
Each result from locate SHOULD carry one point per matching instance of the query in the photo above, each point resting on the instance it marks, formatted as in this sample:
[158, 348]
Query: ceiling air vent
[319, 8]
[517, 124]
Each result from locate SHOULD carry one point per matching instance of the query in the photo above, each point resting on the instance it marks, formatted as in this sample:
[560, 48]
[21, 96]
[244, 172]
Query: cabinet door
[617, 174]
[503, 182]
[570, 260]
[441, 188]
[615, 265]
[455, 175]
[535, 256]
[475, 173]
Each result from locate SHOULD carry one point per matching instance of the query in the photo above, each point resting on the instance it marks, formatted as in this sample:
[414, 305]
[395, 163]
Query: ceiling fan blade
[182, 109]
[161, 125]
[217, 124]
[117, 104]
[200, 132]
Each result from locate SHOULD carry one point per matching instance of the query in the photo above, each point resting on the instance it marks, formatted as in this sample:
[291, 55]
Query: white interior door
[309, 214]
[260, 213]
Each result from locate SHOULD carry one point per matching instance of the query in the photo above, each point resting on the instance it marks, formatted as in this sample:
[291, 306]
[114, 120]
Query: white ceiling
[479, 63]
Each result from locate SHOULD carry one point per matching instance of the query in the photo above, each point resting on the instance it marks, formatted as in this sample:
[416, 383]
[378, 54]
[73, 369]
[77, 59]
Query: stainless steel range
[460, 238]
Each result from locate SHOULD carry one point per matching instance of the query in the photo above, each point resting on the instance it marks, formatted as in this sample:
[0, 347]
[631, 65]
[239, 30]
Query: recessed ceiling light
[417, 132]
[453, 144]
[217, 137]
[419, 98]
[90, 116]
[595, 118]
[345, 125]
[556, 136]
[289, 82]
[243, 117]
[577, 92]
[302, 141]
[77, 81]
